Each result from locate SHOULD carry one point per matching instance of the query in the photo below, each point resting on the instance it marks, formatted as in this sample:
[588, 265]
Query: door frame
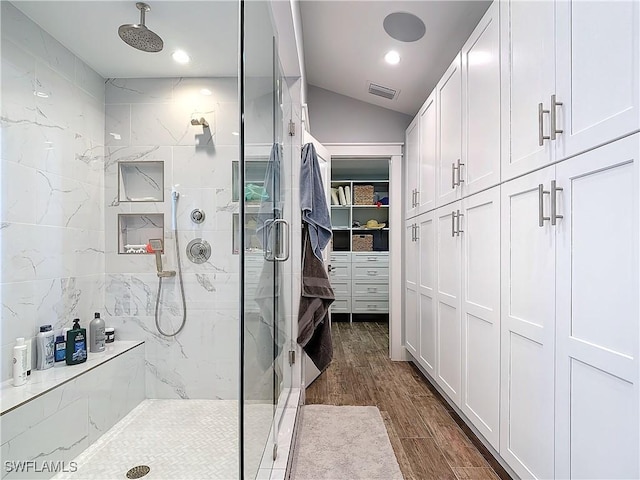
[394, 152]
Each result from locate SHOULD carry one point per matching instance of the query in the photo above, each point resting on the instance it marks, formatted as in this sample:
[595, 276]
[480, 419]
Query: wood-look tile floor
[426, 436]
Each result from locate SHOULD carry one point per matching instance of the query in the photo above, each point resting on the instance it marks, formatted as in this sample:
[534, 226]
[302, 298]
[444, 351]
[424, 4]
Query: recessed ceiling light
[392, 57]
[205, 91]
[181, 56]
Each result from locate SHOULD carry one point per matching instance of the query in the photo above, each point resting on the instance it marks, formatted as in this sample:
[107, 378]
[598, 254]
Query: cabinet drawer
[341, 289]
[340, 257]
[341, 305]
[340, 271]
[370, 272]
[366, 305]
[370, 289]
[372, 258]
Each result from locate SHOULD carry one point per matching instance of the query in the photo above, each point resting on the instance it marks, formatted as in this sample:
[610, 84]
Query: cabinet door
[597, 395]
[528, 79]
[412, 160]
[428, 152]
[481, 312]
[598, 47]
[481, 105]
[448, 302]
[411, 290]
[449, 131]
[527, 327]
[427, 290]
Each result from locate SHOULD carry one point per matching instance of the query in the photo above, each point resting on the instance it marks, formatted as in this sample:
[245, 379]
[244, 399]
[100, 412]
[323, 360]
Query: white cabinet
[481, 106]
[527, 325]
[570, 78]
[411, 252]
[412, 162]
[528, 65]
[426, 197]
[426, 237]
[480, 225]
[597, 286]
[448, 328]
[597, 68]
[449, 134]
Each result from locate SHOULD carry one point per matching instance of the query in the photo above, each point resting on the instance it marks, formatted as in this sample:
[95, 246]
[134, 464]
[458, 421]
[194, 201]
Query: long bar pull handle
[541, 136]
[417, 198]
[417, 232]
[554, 107]
[554, 202]
[413, 198]
[453, 176]
[460, 180]
[413, 232]
[458, 215]
[541, 194]
[453, 224]
[266, 238]
[285, 255]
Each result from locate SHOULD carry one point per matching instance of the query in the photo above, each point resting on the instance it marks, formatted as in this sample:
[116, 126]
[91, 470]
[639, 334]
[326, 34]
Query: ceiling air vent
[381, 91]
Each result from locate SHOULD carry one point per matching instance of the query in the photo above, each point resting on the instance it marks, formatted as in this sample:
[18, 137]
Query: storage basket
[363, 194]
[362, 243]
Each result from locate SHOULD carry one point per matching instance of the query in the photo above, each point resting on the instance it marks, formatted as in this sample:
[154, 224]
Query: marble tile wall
[150, 120]
[60, 424]
[52, 182]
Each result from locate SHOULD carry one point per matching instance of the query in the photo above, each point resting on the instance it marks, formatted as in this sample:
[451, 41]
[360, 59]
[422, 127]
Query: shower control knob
[197, 216]
[198, 250]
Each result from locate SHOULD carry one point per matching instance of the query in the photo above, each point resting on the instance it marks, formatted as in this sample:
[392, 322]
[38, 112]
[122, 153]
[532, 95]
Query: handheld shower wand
[156, 246]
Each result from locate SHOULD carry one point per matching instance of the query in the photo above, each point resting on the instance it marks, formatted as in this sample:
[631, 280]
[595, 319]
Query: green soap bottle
[76, 344]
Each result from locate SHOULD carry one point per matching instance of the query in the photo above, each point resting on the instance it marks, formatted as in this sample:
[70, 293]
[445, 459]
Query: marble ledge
[43, 381]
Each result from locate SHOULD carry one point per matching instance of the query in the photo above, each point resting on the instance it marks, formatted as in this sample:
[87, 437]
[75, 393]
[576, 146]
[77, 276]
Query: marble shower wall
[150, 120]
[52, 171]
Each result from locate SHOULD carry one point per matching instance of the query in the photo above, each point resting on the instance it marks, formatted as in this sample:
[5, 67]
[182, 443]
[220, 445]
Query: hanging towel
[314, 326]
[313, 203]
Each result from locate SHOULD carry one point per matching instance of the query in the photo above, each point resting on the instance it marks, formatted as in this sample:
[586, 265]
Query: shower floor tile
[177, 439]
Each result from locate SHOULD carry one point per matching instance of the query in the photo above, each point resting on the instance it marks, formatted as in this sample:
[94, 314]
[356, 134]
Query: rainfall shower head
[138, 35]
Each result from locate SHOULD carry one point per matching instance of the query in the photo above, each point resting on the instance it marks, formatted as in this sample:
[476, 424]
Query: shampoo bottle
[96, 334]
[61, 349]
[45, 347]
[76, 344]
[19, 363]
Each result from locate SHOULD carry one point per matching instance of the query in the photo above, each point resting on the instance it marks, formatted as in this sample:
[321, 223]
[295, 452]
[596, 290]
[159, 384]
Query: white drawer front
[363, 305]
[341, 289]
[341, 305]
[340, 271]
[370, 272]
[341, 257]
[370, 289]
[375, 258]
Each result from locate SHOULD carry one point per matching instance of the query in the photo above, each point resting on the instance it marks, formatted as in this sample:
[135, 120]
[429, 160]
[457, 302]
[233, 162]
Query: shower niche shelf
[135, 230]
[141, 181]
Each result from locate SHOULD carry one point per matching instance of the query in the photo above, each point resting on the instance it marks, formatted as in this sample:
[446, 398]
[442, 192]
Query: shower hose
[184, 303]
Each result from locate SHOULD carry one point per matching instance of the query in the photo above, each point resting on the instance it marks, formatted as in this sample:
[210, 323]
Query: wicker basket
[363, 194]
[362, 243]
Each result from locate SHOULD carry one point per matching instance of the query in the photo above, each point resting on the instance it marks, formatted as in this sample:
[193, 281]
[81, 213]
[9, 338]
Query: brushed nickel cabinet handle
[553, 129]
[554, 204]
[458, 215]
[453, 176]
[453, 224]
[541, 193]
[541, 136]
[460, 180]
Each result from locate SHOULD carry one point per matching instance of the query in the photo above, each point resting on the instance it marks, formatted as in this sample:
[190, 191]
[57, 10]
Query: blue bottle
[61, 349]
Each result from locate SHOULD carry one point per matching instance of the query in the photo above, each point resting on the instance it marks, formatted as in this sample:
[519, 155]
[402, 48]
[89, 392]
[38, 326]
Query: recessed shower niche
[135, 230]
[141, 181]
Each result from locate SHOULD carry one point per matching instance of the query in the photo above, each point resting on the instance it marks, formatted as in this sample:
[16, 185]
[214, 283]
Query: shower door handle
[285, 253]
[266, 235]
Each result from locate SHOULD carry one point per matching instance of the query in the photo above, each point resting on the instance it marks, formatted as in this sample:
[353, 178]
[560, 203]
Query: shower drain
[138, 472]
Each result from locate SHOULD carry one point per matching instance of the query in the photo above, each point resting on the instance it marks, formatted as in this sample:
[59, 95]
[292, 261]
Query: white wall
[150, 120]
[337, 118]
[52, 168]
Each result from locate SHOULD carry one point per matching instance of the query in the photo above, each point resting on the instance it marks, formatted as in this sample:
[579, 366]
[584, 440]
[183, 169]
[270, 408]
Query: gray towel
[313, 201]
[314, 327]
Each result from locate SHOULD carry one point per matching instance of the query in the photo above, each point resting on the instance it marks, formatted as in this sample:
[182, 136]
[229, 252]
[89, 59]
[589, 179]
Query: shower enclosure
[113, 155]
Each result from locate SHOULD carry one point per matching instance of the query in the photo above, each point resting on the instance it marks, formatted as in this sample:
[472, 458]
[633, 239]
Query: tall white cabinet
[524, 310]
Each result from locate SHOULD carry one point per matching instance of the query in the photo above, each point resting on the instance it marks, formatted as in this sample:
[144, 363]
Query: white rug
[343, 443]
